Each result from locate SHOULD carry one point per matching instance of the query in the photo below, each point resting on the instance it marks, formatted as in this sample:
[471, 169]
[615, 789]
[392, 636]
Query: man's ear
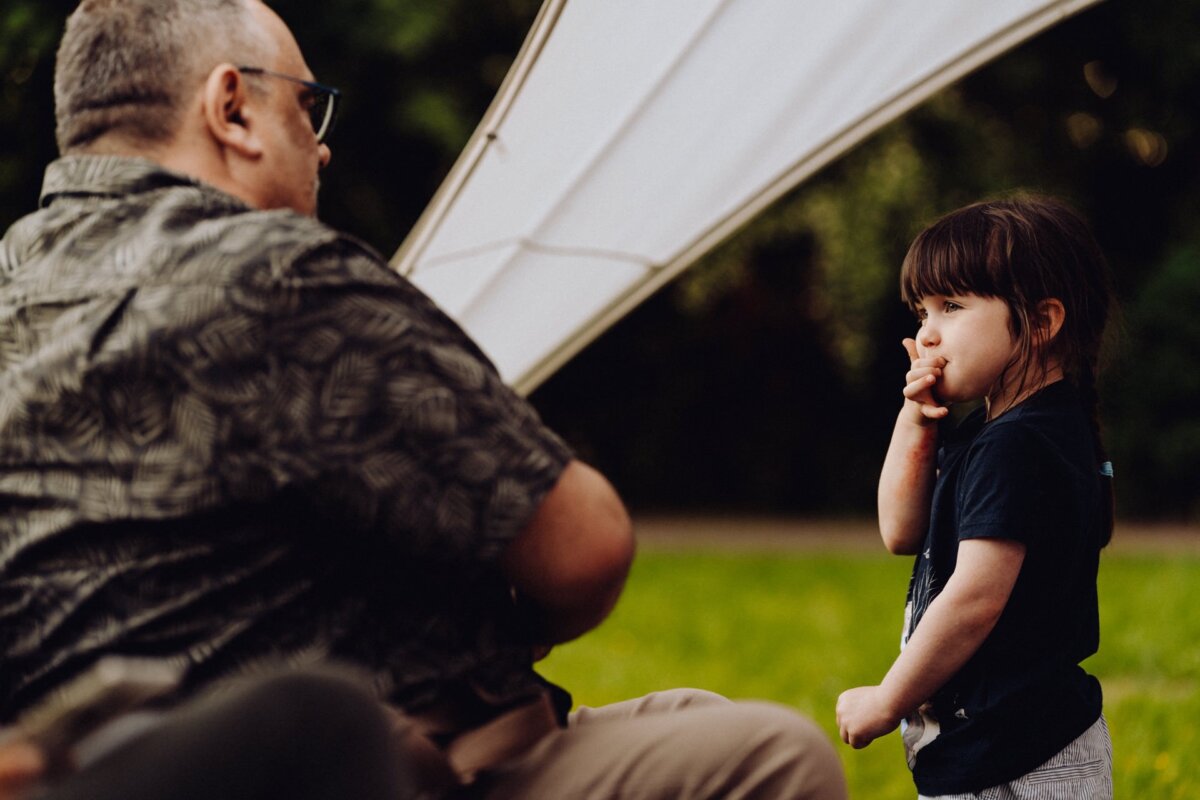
[1051, 313]
[228, 112]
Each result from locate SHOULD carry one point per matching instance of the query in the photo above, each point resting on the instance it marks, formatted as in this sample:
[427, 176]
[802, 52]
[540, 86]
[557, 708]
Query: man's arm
[21, 764]
[951, 631]
[909, 469]
[568, 565]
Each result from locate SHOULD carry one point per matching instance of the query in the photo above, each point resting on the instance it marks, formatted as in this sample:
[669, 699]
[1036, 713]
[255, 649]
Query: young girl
[1006, 515]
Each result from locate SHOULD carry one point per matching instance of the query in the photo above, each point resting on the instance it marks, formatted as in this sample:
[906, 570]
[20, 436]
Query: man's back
[229, 435]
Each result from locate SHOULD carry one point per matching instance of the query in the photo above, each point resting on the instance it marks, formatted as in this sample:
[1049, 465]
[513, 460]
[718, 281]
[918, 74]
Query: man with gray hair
[132, 91]
[232, 438]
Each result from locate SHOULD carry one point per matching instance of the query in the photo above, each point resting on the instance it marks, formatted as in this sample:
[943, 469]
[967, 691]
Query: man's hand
[21, 764]
[863, 716]
[923, 375]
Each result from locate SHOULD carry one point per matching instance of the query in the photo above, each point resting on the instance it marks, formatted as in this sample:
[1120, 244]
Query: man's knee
[667, 701]
[781, 753]
[705, 748]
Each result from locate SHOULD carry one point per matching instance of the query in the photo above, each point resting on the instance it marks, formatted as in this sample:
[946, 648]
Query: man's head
[160, 79]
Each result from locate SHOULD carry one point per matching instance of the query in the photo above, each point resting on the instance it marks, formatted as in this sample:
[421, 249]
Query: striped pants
[1080, 771]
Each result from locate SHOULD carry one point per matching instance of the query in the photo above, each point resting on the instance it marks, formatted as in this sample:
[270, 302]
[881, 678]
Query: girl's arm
[951, 631]
[909, 469]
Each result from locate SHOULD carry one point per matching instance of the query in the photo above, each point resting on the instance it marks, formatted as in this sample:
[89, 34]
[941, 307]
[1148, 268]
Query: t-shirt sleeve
[1003, 485]
[390, 421]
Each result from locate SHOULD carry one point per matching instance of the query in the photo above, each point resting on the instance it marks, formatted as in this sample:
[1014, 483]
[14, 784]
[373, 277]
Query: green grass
[798, 628]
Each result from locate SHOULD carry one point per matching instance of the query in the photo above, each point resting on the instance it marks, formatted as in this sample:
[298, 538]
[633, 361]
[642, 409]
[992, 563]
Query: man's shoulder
[169, 227]
[290, 247]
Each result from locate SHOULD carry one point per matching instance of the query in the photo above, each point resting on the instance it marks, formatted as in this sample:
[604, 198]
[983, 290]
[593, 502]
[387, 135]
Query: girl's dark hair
[1023, 250]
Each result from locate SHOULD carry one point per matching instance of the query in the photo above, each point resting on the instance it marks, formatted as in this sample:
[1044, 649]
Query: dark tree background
[767, 378]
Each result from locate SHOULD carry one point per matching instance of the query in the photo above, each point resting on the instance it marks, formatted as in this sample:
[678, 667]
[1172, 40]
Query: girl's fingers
[937, 362]
[922, 386]
[922, 373]
[920, 380]
[934, 412]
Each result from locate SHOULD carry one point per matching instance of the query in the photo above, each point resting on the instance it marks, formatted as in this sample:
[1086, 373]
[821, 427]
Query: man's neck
[197, 160]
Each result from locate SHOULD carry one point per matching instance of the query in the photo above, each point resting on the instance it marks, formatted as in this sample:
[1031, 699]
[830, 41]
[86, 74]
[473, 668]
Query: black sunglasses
[322, 109]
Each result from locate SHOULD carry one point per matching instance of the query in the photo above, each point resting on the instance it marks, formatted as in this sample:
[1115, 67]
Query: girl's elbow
[992, 610]
[982, 613]
[898, 541]
[900, 547]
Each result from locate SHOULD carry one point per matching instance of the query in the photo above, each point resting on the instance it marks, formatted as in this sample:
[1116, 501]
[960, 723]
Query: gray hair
[127, 67]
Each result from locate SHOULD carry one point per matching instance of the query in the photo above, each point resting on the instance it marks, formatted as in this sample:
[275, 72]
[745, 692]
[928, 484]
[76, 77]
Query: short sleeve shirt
[1030, 475]
[231, 436]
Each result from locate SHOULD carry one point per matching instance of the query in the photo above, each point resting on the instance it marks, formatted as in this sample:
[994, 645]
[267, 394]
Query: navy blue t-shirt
[1030, 475]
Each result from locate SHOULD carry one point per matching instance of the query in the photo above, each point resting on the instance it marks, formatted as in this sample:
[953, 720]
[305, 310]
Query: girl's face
[972, 334]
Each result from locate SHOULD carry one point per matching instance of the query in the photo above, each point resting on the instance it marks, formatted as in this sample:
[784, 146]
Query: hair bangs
[959, 254]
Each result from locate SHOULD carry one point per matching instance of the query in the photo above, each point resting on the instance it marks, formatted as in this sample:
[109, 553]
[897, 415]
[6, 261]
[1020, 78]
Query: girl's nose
[928, 336]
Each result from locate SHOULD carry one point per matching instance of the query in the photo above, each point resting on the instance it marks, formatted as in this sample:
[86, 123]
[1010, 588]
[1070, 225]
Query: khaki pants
[682, 745]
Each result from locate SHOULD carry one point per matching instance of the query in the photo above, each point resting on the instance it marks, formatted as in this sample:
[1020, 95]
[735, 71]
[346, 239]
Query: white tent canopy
[632, 136]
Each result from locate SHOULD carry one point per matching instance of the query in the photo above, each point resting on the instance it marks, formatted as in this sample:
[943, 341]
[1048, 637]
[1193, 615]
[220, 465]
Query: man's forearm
[21, 764]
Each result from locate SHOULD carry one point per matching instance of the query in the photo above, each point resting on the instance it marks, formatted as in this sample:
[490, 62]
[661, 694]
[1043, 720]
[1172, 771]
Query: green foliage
[29, 31]
[859, 223]
[1155, 399]
[800, 628]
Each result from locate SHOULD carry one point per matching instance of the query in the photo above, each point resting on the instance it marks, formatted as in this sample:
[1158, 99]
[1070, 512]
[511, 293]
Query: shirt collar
[113, 176]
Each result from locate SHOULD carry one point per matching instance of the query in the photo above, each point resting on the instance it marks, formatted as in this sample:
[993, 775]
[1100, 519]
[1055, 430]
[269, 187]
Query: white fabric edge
[835, 147]
[406, 257]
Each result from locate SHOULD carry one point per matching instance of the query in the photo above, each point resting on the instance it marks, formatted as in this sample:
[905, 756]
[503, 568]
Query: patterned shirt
[230, 436]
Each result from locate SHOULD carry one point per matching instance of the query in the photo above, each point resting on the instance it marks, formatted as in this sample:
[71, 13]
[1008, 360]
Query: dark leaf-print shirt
[231, 437]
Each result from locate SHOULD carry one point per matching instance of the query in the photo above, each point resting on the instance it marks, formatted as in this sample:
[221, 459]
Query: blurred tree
[1154, 427]
[417, 76]
[29, 32]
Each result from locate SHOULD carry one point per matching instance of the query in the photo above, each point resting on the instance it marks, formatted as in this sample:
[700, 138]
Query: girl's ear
[228, 112]
[1051, 313]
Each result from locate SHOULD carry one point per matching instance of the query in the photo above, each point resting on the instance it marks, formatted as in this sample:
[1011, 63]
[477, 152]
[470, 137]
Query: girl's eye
[921, 314]
[950, 307]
